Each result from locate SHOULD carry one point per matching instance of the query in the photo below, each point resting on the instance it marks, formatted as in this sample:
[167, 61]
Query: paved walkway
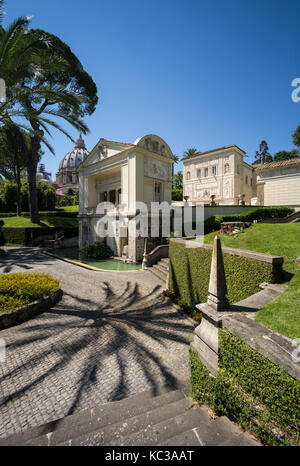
[112, 335]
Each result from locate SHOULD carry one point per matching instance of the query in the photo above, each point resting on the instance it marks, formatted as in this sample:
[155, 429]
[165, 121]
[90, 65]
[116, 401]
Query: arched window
[188, 175]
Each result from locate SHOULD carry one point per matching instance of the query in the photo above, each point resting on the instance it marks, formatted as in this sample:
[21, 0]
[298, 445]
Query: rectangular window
[214, 170]
[238, 169]
[206, 172]
[246, 179]
[199, 173]
[251, 182]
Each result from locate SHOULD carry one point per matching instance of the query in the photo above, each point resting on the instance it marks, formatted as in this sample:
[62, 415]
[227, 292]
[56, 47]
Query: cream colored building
[123, 173]
[278, 183]
[221, 173]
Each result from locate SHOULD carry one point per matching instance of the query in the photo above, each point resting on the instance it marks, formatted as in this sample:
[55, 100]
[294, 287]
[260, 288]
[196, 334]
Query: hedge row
[49, 213]
[257, 213]
[23, 236]
[189, 273]
[250, 390]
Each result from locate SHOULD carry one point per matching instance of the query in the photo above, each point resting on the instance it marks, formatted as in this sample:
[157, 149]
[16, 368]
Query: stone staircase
[160, 270]
[168, 418]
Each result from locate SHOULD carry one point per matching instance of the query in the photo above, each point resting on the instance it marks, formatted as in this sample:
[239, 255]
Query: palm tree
[176, 160]
[190, 152]
[45, 82]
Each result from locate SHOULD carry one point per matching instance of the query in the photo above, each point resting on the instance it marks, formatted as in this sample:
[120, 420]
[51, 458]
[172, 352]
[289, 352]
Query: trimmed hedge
[250, 390]
[257, 213]
[23, 236]
[50, 213]
[189, 272]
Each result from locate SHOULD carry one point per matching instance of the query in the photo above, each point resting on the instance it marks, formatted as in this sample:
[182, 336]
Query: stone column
[206, 339]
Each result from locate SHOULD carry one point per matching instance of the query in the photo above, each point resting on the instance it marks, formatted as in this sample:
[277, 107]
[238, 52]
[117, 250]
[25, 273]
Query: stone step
[220, 432]
[105, 414]
[158, 433]
[114, 434]
[165, 260]
[163, 265]
[162, 268]
[162, 276]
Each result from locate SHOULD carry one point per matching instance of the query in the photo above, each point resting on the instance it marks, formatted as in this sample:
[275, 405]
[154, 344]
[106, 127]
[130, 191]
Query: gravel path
[112, 335]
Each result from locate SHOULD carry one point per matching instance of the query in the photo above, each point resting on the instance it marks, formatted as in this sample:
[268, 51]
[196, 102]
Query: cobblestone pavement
[112, 335]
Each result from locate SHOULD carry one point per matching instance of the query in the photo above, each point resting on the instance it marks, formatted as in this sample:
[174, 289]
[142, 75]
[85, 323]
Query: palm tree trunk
[32, 191]
[18, 184]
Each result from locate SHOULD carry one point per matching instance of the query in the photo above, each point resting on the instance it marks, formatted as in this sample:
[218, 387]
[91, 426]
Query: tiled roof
[281, 164]
[214, 150]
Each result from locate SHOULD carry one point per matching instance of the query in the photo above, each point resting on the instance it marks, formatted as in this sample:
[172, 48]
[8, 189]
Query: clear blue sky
[198, 73]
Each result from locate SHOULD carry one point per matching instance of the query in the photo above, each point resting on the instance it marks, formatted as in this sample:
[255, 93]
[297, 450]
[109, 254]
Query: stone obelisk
[206, 340]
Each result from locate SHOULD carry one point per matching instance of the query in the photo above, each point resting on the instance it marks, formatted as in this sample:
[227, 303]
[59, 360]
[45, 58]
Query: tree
[11, 161]
[263, 155]
[286, 155]
[177, 190]
[176, 160]
[191, 152]
[177, 180]
[296, 137]
[76, 198]
[50, 84]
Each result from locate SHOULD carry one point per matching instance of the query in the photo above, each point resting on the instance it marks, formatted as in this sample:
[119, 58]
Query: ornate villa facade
[219, 175]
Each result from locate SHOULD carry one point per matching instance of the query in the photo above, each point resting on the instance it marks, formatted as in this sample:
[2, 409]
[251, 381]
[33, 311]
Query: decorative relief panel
[227, 190]
[156, 169]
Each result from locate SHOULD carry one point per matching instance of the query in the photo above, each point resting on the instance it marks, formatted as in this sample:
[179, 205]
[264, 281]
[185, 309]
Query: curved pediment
[155, 144]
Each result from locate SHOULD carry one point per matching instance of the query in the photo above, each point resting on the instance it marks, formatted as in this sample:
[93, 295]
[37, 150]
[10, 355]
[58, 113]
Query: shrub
[65, 201]
[257, 213]
[177, 194]
[76, 198]
[17, 289]
[97, 251]
[250, 390]
[190, 271]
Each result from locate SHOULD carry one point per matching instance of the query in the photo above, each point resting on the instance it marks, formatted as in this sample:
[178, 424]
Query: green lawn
[24, 222]
[283, 314]
[70, 208]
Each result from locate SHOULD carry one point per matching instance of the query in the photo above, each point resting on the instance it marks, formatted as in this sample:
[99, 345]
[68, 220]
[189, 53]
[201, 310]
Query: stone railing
[160, 252]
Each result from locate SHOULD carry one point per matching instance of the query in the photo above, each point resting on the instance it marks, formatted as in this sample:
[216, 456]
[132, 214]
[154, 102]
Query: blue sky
[197, 73]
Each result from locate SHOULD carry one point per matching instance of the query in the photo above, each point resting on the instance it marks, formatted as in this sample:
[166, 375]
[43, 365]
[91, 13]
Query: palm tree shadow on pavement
[128, 342]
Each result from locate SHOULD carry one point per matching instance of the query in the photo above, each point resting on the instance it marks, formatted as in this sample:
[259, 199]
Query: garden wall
[189, 271]
[251, 390]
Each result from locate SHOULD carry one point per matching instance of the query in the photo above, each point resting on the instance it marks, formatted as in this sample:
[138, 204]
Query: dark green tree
[296, 137]
[286, 155]
[263, 155]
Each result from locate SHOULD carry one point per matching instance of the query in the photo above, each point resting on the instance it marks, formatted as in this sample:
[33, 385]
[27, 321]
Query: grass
[283, 314]
[24, 222]
[70, 208]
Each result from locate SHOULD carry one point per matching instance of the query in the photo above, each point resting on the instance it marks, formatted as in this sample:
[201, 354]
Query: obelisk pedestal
[206, 338]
